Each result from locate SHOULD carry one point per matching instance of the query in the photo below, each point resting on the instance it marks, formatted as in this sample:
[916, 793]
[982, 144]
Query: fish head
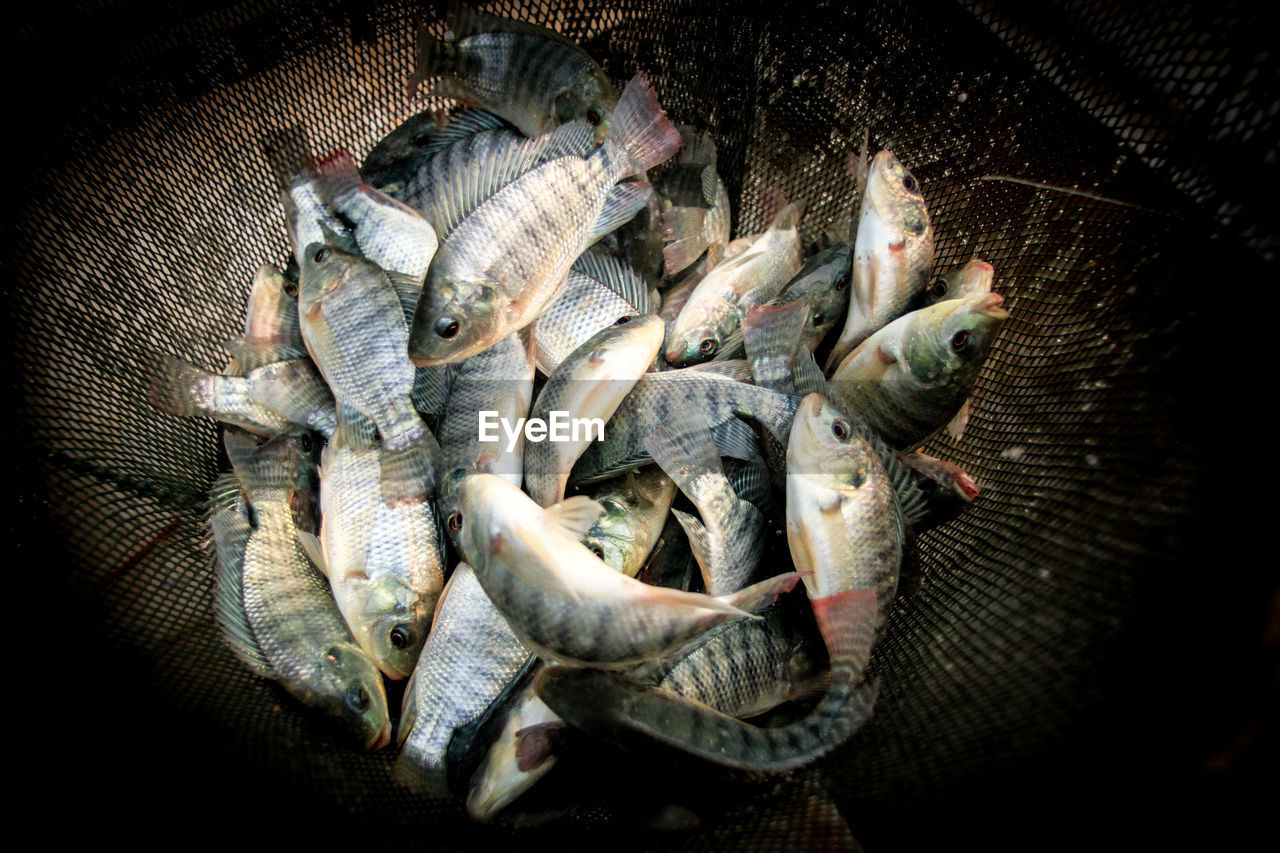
[612, 538]
[826, 447]
[589, 96]
[273, 301]
[632, 339]
[351, 690]
[701, 333]
[894, 194]
[322, 271]
[972, 279]
[390, 622]
[456, 319]
[825, 288]
[947, 343]
[447, 505]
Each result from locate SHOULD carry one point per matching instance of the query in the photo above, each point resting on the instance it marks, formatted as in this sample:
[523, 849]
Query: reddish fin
[847, 621]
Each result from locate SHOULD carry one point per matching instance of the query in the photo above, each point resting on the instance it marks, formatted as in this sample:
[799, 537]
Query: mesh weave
[1021, 662]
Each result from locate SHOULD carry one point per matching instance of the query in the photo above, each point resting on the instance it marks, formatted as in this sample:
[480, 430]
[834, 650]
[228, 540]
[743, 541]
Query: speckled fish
[635, 512]
[355, 330]
[728, 535]
[504, 263]
[721, 390]
[846, 533]
[275, 609]
[822, 284]
[470, 656]
[587, 386]
[911, 377]
[387, 232]
[892, 254]
[384, 564]
[696, 210]
[533, 77]
[973, 279]
[498, 380]
[561, 600]
[710, 324]
[599, 289]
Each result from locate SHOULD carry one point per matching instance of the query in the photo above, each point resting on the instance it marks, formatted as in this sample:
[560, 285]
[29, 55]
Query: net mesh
[1017, 647]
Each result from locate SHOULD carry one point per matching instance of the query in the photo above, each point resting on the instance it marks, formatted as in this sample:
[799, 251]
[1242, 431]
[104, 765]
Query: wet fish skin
[973, 279]
[272, 314]
[823, 284]
[276, 610]
[892, 256]
[588, 384]
[598, 290]
[636, 506]
[470, 656]
[911, 377]
[562, 601]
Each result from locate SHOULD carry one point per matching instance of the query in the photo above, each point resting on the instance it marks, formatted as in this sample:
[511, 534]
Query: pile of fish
[402, 505]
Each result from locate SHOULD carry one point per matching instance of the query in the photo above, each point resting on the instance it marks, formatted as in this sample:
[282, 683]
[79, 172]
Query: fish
[635, 508]
[846, 535]
[385, 565]
[272, 313]
[589, 384]
[946, 489]
[561, 600]
[728, 539]
[529, 75]
[470, 656]
[719, 389]
[598, 290]
[823, 284]
[696, 208]
[911, 377]
[274, 607]
[892, 254]
[179, 388]
[973, 279]
[500, 267]
[354, 327]
[402, 153]
[710, 324]
[523, 752]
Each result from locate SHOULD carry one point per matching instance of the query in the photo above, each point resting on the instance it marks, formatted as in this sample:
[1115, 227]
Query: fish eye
[709, 346]
[421, 140]
[320, 255]
[840, 429]
[843, 282]
[447, 327]
[598, 551]
[939, 288]
[960, 340]
[909, 183]
[291, 288]
[306, 443]
[622, 321]
[595, 115]
[400, 637]
[455, 522]
[817, 319]
[357, 698]
[333, 655]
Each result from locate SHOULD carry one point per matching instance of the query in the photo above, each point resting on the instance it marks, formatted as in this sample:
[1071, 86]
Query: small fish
[355, 330]
[973, 279]
[710, 324]
[275, 609]
[892, 255]
[823, 284]
[496, 272]
[910, 378]
[635, 506]
[588, 385]
[403, 152]
[531, 76]
[272, 314]
[696, 209]
[561, 600]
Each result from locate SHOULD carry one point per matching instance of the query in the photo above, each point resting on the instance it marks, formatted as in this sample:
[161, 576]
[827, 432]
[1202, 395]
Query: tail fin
[788, 219]
[409, 471]
[179, 388]
[685, 229]
[641, 128]
[436, 58]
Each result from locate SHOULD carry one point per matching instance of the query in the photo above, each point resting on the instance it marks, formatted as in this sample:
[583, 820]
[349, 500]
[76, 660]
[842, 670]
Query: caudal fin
[641, 128]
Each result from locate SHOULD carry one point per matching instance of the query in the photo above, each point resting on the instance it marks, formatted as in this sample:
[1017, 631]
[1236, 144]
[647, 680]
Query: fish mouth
[982, 266]
[383, 738]
[990, 307]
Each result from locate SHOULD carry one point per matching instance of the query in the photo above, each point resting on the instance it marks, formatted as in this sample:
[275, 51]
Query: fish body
[912, 376]
[598, 290]
[822, 284]
[892, 255]
[636, 506]
[498, 269]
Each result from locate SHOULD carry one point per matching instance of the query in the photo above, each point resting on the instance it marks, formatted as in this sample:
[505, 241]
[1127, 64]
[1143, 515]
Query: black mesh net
[1039, 665]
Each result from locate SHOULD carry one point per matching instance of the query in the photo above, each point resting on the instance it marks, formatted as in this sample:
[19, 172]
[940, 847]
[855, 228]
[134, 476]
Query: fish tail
[685, 451]
[788, 218]
[268, 467]
[179, 388]
[685, 230]
[762, 594]
[772, 336]
[336, 174]
[640, 127]
[408, 469]
[436, 58]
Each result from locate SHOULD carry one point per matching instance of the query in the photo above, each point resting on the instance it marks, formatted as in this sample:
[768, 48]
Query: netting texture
[1020, 625]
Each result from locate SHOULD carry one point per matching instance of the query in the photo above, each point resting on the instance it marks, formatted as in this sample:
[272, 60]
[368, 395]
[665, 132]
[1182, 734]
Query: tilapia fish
[505, 262]
[696, 210]
[588, 385]
[533, 77]
[710, 324]
[892, 254]
[355, 330]
[635, 511]
[563, 602]
[912, 376]
[272, 314]
[972, 279]
[823, 285]
[384, 564]
[401, 154]
[846, 535]
[470, 656]
[275, 609]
